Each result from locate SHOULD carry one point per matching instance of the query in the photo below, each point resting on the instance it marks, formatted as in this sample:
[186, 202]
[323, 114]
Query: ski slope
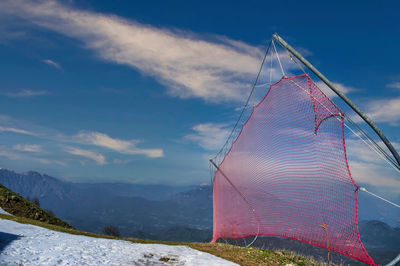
[25, 244]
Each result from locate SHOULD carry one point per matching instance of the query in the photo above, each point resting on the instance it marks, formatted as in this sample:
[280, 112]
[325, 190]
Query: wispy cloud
[210, 136]
[17, 130]
[50, 162]
[126, 147]
[215, 70]
[120, 161]
[30, 156]
[52, 63]
[26, 93]
[394, 85]
[367, 168]
[7, 36]
[385, 110]
[97, 157]
[9, 155]
[373, 175]
[328, 92]
[381, 110]
[118, 145]
[28, 148]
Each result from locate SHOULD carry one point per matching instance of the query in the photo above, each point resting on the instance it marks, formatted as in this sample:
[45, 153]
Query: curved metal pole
[394, 262]
[340, 94]
[346, 100]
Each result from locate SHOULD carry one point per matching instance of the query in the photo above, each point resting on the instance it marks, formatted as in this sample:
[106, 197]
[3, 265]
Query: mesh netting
[287, 175]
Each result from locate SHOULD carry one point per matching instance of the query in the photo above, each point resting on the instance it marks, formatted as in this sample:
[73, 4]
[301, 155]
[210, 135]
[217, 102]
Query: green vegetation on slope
[241, 255]
[16, 205]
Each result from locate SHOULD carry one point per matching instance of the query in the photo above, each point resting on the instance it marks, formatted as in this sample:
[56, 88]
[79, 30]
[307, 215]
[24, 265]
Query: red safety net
[287, 175]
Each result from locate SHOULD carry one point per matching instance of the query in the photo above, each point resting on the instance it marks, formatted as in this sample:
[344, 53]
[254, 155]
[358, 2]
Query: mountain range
[135, 209]
[169, 213]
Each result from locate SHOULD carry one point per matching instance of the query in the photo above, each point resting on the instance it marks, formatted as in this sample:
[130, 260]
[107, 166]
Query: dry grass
[241, 255]
[253, 256]
[14, 204]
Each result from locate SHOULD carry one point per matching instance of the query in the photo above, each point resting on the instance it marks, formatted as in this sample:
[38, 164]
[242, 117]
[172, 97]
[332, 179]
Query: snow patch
[3, 211]
[32, 245]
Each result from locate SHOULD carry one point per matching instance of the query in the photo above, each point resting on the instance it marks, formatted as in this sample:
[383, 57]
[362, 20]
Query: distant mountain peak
[6, 170]
[32, 173]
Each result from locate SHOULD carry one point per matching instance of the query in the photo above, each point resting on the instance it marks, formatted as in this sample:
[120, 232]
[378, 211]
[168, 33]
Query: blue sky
[147, 92]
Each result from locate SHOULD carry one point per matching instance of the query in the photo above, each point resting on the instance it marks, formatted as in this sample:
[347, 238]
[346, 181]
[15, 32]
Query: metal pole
[243, 197]
[230, 182]
[393, 262]
[341, 95]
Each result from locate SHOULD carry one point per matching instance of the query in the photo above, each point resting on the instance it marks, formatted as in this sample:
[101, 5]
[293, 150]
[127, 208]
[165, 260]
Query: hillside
[175, 214]
[17, 247]
[14, 204]
[24, 244]
[132, 207]
[141, 209]
[33, 184]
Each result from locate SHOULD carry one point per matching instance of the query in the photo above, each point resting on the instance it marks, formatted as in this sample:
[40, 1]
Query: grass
[24, 211]
[241, 255]
[253, 256]
[16, 205]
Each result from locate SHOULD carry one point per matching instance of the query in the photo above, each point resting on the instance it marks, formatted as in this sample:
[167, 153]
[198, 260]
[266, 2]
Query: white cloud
[218, 70]
[52, 63]
[381, 110]
[25, 93]
[328, 92]
[126, 147]
[368, 168]
[210, 136]
[28, 148]
[16, 130]
[97, 157]
[394, 85]
[50, 162]
[7, 36]
[12, 155]
[120, 161]
[358, 150]
[121, 146]
[8, 154]
[385, 110]
[374, 175]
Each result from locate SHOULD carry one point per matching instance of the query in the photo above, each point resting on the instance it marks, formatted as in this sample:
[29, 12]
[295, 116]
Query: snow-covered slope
[24, 244]
[4, 212]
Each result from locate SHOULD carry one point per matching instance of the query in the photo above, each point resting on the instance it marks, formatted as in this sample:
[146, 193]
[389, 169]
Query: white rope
[348, 127]
[294, 60]
[264, 84]
[397, 259]
[255, 238]
[372, 142]
[277, 56]
[378, 150]
[379, 197]
[270, 71]
[376, 147]
[373, 148]
[247, 102]
[245, 200]
[211, 172]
